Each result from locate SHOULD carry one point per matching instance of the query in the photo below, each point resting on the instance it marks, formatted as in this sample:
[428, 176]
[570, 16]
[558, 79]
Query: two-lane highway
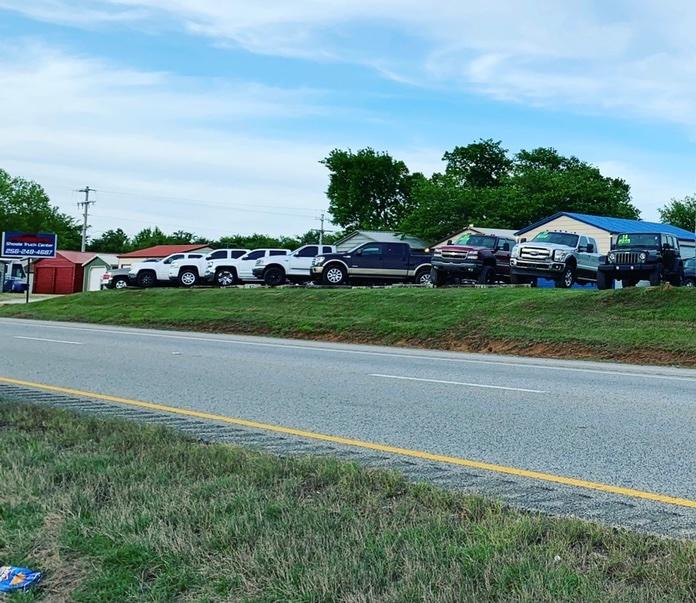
[623, 426]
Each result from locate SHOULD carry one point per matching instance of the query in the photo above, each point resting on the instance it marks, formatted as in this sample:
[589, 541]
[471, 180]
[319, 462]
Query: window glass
[690, 264]
[327, 250]
[195, 256]
[557, 238]
[17, 271]
[237, 253]
[373, 249]
[473, 240]
[393, 251]
[278, 252]
[638, 240]
[221, 254]
[308, 252]
[255, 255]
[173, 258]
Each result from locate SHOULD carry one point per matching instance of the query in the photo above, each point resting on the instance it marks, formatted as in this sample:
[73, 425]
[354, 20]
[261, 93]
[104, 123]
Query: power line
[85, 204]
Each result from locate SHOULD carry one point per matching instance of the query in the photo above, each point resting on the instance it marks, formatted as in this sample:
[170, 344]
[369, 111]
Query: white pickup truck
[294, 267]
[188, 272]
[13, 278]
[227, 272]
[150, 274]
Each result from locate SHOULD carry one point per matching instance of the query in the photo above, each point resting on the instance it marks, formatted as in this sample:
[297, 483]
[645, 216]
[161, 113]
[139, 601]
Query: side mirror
[449, 242]
[590, 248]
[358, 252]
[523, 240]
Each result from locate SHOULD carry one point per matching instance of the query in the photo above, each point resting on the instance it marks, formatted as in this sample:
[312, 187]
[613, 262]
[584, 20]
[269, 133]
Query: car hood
[464, 248]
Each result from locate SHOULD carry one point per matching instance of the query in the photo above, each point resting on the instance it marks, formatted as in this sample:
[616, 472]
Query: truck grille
[534, 253]
[458, 255]
[627, 257]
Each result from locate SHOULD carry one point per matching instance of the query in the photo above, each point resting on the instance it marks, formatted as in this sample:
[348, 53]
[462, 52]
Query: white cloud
[632, 58]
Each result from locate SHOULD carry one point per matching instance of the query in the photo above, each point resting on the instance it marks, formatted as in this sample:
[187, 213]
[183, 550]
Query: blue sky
[212, 116]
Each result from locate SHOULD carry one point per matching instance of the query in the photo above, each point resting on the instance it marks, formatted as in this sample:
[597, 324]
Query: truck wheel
[629, 282]
[225, 278]
[437, 278]
[422, 277]
[487, 275]
[567, 278]
[187, 278]
[677, 280]
[516, 279]
[334, 275]
[690, 282]
[146, 279]
[656, 278]
[274, 276]
[604, 281]
[120, 282]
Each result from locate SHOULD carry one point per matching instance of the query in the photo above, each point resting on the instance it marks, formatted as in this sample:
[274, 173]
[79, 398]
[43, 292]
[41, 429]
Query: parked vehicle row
[563, 257]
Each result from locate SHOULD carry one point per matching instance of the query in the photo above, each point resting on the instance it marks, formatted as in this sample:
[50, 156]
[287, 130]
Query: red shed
[62, 274]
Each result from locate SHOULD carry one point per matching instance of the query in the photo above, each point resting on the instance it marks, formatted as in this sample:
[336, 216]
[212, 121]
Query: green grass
[120, 512]
[656, 325]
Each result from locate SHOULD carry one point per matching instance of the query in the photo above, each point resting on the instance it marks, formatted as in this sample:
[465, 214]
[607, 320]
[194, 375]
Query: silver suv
[563, 257]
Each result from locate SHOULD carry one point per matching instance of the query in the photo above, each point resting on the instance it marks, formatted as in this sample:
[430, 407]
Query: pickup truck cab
[188, 272]
[228, 272]
[382, 262]
[482, 258]
[13, 278]
[294, 267]
[150, 274]
[638, 256]
[563, 257]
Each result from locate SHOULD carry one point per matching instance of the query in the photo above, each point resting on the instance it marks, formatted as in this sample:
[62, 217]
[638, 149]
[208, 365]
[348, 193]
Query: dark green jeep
[640, 256]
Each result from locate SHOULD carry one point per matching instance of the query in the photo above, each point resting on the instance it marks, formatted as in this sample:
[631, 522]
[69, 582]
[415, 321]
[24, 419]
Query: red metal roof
[77, 257]
[162, 251]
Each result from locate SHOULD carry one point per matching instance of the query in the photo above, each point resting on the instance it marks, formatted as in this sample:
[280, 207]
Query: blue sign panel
[29, 245]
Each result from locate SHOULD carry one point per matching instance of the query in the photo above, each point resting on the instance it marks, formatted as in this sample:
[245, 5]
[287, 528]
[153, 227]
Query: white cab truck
[294, 267]
[188, 272]
[13, 277]
[151, 274]
[227, 272]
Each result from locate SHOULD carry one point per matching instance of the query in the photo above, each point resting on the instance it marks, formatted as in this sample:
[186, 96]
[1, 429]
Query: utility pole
[321, 232]
[85, 204]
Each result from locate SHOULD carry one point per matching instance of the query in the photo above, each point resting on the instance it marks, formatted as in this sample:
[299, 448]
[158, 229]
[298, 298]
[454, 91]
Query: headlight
[210, 264]
[516, 251]
[559, 255]
[259, 262]
[612, 258]
[643, 256]
[318, 260]
[437, 252]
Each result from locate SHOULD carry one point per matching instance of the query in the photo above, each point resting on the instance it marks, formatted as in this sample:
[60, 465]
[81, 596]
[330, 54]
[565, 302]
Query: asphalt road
[620, 425]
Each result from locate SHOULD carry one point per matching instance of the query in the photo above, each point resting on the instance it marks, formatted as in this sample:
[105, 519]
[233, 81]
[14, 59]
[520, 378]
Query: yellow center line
[386, 448]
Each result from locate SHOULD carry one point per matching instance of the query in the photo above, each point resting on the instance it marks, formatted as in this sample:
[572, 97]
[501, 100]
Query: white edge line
[510, 389]
[546, 367]
[49, 340]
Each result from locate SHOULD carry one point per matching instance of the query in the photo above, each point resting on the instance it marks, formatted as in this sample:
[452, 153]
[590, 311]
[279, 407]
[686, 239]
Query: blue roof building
[602, 228]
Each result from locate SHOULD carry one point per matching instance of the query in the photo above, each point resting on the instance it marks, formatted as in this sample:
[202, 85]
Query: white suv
[226, 272]
[294, 267]
[187, 272]
[149, 274]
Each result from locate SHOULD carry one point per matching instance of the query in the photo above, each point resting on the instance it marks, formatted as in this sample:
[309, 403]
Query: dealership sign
[28, 245]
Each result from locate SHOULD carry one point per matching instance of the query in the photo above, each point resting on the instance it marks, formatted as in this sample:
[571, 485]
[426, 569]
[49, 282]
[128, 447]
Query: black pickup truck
[373, 262]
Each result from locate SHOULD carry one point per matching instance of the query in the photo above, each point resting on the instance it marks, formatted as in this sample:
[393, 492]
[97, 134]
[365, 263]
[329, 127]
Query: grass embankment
[115, 511]
[656, 325]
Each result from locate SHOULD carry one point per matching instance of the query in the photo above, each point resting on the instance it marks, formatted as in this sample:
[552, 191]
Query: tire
[676, 280]
[120, 283]
[567, 278]
[146, 279]
[334, 275]
[604, 281]
[274, 276]
[656, 278]
[487, 275]
[437, 278]
[188, 278]
[423, 277]
[690, 282]
[225, 278]
[629, 282]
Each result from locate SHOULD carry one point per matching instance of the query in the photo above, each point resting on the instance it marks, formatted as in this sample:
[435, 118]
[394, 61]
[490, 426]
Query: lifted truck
[481, 258]
[373, 262]
[294, 267]
[563, 257]
[635, 257]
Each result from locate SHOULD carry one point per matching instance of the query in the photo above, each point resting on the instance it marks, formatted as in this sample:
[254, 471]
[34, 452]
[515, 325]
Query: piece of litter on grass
[13, 579]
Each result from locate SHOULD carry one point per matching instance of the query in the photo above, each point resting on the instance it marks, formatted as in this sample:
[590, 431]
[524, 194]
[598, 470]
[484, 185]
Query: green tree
[480, 164]
[680, 212]
[149, 237]
[367, 189]
[25, 206]
[111, 241]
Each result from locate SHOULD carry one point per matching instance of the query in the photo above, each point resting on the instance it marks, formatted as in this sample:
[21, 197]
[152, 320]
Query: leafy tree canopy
[680, 212]
[25, 206]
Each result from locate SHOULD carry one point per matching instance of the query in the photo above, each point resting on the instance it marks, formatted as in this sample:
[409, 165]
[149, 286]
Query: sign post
[29, 246]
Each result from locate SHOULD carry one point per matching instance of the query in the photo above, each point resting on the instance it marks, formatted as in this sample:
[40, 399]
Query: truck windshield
[638, 240]
[476, 241]
[18, 271]
[557, 238]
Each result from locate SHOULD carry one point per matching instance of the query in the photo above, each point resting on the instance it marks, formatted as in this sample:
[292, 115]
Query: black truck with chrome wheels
[641, 256]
